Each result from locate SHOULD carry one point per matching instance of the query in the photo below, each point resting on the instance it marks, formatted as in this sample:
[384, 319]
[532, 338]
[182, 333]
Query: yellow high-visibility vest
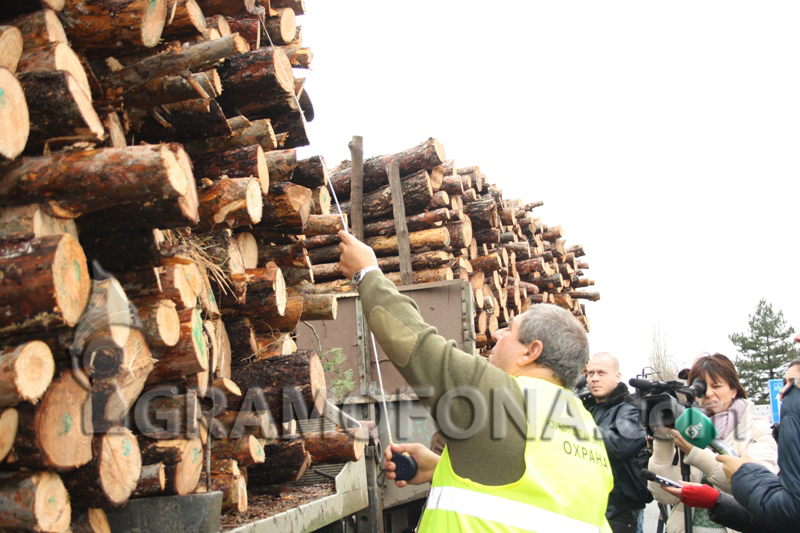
[564, 488]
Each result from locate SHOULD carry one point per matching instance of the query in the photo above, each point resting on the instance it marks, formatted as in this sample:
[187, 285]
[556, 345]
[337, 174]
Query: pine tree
[764, 352]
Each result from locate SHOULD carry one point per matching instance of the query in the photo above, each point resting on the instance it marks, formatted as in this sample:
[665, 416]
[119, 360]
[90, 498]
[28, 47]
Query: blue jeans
[640, 521]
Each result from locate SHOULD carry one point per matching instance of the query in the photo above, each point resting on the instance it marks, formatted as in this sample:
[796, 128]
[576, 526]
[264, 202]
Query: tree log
[160, 322]
[420, 261]
[171, 89]
[424, 156]
[113, 473]
[319, 307]
[35, 298]
[244, 162]
[246, 450]
[55, 56]
[333, 447]
[80, 182]
[417, 194]
[242, 339]
[14, 116]
[93, 520]
[257, 80]
[269, 323]
[297, 377]
[9, 421]
[324, 225]
[58, 107]
[188, 20]
[321, 200]
[230, 203]
[249, 27]
[10, 47]
[235, 425]
[227, 7]
[286, 207]
[414, 222]
[299, 56]
[421, 241]
[184, 122]
[25, 372]
[188, 356]
[483, 213]
[40, 28]
[182, 459]
[286, 460]
[169, 282]
[282, 28]
[152, 481]
[311, 172]
[460, 233]
[96, 26]
[191, 58]
[281, 164]
[233, 488]
[56, 433]
[257, 132]
[34, 501]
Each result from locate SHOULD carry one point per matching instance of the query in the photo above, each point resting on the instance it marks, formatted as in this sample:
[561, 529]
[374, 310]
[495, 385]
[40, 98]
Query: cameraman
[726, 404]
[773, 498]
[618, 419]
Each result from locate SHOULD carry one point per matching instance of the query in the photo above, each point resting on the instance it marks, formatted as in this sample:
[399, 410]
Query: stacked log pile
[460, 226]
[152, 212]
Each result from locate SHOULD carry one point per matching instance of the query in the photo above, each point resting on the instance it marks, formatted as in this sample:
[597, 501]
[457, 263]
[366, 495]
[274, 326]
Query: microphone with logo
[699, 431]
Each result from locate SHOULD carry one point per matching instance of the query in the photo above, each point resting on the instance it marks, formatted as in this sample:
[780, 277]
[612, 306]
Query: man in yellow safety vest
[522, 453]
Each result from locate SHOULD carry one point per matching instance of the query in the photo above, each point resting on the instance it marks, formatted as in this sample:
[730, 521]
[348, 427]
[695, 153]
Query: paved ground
[650, 518]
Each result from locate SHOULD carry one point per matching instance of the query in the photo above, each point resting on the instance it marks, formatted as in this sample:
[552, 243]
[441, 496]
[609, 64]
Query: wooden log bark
[244, 162]
[118, 251]
[56, 434]
[421, 241]
[235, 425]
[14, 116]
[232, 484]
[191, 58]
[257, 80]
[169, 282]
[286, 207]
[92, 520]
[10, 47]
[414, 222]
[249, 27]
[9, 421]
[55, 56]
[113, 473]
[420, 261]
[272, 322]
[246, 450]
[311, 172]
[58, 107]
[299, 56]
[281, 164]
[160, 322]
[333, 447]
[188, 356]
[152, 481]
[40, 28]
[426, 155]
[97, 27]
[34, 501]
[439, 200]
[230, 203]
[286, 460]
[298, 377]
[25, 372]
[184, 122]
[319, 307]
[282, 28]
[256, 132]
[74, 183]
[460, 233]
[417, 194]
[242, 339]
[171, 89]
[182, 459]
[483, 213]
[188, 20]
[227, 7]
[325, 224]
[34, 298]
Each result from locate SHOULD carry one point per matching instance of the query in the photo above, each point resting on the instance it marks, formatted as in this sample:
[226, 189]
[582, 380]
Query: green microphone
[699, 431]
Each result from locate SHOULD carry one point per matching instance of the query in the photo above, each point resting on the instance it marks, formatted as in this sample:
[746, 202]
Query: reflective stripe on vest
[504, 511]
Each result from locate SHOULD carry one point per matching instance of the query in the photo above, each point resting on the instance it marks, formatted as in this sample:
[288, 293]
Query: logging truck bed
[304, 505]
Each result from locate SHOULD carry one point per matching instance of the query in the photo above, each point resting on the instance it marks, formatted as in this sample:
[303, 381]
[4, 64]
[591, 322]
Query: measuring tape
[405, 465]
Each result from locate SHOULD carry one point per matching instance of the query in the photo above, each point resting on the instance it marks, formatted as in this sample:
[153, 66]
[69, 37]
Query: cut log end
[93, 125]
[33, 368]
[188, 471]
[120, 465]
[317, 380]
[153, 20]
[249, 249]
[72, 273]
[10, 47]
[169, 324]
[51, 507]
[263, 170]
[9, 420]
[254, 198]
[14, 118]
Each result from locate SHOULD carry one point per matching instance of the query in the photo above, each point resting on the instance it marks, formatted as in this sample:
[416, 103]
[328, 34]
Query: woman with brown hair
[731, 412]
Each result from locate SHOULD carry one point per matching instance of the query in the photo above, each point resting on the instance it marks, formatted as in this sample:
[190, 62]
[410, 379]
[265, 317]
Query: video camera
[658, 401]
[582, 389]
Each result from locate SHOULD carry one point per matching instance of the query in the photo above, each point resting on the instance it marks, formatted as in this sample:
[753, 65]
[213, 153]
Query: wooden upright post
[399, 208]
[357, 186]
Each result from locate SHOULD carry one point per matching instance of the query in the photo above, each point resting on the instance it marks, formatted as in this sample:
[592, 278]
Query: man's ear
[534, 350]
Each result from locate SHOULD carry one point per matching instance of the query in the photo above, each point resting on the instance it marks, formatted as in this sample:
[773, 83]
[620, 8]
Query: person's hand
[355, 255]
[731, 464]
[426, 462]
[679, 441]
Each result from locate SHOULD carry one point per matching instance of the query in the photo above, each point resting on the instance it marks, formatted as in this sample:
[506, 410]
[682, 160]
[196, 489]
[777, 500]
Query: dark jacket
[776, 499]
[727, 512]
[618, 419]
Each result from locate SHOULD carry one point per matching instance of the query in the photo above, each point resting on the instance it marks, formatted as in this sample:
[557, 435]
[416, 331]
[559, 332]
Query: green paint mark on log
[196, 454]
[77, 267]
[126, 447]
[2, 97]
[52, 501]
[66, 424]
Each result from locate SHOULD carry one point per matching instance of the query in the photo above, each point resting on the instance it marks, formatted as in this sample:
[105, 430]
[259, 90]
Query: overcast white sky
[661, 136]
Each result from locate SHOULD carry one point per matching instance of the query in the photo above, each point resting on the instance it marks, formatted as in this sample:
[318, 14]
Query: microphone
[652, 476]
[699, 430]
[641, 384]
